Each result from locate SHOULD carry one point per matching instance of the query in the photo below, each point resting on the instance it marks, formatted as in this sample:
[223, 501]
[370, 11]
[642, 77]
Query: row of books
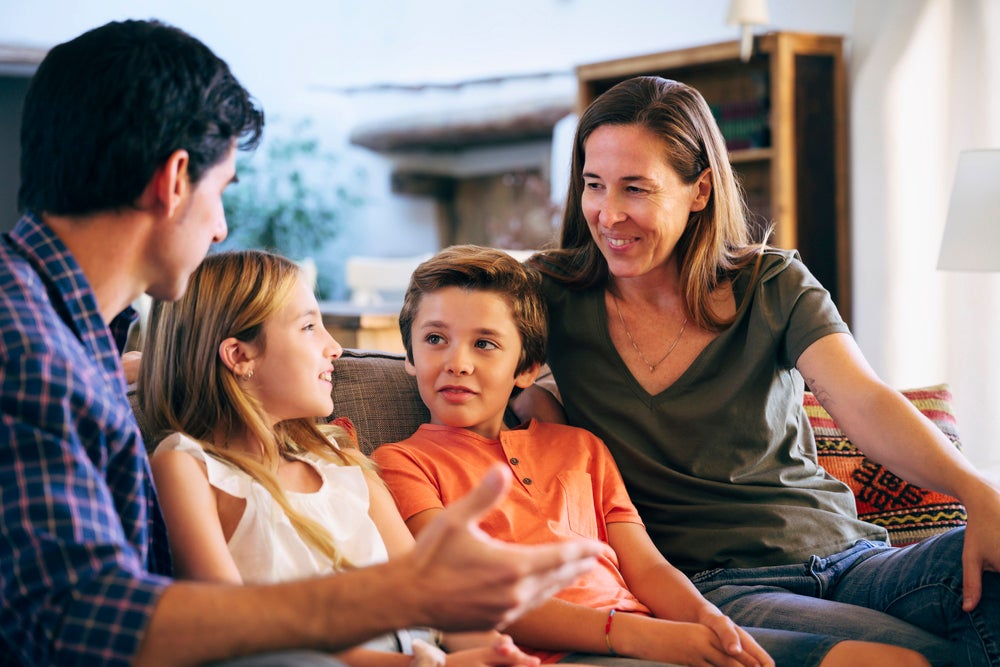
[744, 123]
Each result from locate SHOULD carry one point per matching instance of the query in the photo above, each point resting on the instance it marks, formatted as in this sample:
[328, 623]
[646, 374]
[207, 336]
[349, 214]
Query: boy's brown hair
[477, 268]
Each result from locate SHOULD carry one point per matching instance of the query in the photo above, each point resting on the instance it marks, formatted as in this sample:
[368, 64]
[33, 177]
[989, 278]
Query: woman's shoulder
[778, 263]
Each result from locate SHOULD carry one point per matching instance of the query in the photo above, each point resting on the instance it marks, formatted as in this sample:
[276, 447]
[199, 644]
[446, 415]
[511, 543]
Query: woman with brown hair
[686, 347]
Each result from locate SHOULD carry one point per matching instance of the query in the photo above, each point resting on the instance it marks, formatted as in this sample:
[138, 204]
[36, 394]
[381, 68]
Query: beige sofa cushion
[373, 390]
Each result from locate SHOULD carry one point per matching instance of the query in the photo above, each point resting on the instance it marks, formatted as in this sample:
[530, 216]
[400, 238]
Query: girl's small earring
[246, 377]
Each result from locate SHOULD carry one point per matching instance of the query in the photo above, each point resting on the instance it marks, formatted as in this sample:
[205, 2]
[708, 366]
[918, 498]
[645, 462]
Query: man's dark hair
[105, 110]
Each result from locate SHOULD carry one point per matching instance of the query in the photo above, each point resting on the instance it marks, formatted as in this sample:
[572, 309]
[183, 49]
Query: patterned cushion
[910, 513]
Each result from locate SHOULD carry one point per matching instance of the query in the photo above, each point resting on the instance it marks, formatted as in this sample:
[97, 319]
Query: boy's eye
[434, 339]
[486, 345]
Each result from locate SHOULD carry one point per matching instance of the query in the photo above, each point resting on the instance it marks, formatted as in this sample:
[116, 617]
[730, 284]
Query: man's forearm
[199, 622]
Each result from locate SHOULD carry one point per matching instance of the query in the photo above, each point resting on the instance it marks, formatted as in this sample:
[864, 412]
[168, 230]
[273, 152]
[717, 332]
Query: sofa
[373, 390]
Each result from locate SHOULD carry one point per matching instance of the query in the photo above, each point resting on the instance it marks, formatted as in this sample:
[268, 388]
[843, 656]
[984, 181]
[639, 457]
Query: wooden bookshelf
[783, 114]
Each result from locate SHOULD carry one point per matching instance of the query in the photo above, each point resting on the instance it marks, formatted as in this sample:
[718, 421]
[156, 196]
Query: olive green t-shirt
[722, 464]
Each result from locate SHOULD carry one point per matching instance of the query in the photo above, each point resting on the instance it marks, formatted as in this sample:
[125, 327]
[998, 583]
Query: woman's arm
[540, 401]
[191, 513]
[880, 420]
[890, 430]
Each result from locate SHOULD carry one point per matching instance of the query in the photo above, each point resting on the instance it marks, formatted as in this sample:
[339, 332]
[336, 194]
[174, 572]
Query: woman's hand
[501, 652]
[130, 365]
[981, 552]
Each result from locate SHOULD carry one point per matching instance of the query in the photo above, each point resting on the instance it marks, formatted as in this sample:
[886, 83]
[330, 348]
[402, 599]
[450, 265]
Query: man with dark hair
[129, 138]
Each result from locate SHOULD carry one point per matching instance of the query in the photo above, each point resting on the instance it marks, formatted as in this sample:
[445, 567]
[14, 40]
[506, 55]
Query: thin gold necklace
[652, 367]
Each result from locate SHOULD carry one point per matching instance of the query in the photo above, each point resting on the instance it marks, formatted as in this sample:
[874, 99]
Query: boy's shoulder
[551, 431]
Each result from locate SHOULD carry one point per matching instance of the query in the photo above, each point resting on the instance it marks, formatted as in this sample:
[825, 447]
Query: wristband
[607, 633]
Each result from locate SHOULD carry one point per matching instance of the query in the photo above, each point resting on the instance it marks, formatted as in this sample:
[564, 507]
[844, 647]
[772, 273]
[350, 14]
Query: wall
[925, 85]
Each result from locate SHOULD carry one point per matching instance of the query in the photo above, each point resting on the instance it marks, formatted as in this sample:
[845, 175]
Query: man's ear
[236, 355]
[170, 184]
[526, 378]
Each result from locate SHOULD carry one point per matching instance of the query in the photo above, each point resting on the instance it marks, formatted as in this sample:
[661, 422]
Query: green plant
[292, 197]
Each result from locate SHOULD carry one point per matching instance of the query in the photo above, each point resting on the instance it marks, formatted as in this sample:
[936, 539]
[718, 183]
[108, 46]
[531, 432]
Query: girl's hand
[501, 652]
[426, 655]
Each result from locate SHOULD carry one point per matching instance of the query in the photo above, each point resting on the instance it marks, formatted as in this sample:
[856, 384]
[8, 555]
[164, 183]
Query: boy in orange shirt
[474, 326]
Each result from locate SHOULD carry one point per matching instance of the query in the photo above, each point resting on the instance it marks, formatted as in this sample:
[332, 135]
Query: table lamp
[971, 240]
[747, 14]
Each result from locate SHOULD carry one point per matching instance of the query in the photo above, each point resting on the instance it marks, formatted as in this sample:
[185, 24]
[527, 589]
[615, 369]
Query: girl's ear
[526, 378]
[236, 355]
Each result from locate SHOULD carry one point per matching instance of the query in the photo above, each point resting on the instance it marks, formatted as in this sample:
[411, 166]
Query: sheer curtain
[924, 85]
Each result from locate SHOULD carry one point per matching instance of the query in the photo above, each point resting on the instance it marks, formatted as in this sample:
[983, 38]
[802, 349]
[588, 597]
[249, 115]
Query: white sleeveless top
[265, 545]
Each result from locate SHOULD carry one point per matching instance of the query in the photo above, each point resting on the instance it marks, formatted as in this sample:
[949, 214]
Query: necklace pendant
[628, 334]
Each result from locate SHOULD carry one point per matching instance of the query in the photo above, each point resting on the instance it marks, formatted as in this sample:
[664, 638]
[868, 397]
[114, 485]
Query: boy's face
[466, 348]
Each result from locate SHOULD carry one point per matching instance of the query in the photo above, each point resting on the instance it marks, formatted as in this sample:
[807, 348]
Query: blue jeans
[910, 596]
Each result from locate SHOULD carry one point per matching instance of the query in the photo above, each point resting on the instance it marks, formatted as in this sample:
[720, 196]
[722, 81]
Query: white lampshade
[748, 12]
[971, 239]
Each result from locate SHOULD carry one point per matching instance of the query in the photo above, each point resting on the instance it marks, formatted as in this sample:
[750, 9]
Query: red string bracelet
[607, 633]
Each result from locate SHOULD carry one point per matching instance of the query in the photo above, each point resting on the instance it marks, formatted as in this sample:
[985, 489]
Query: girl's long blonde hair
[185, 387]
[716, 241]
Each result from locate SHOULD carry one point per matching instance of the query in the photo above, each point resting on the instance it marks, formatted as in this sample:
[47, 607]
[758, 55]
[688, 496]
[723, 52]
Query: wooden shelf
[783, 114]
[361, 327]
[751, 155]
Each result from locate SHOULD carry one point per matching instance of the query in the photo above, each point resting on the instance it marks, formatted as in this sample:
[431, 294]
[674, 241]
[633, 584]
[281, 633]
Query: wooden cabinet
[363, 328]
[783, 114]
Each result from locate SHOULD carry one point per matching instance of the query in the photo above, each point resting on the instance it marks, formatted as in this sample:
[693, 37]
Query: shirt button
[514, 461]
[526, 480]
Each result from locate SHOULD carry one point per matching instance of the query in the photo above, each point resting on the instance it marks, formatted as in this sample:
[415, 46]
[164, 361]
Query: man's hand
[466, 580]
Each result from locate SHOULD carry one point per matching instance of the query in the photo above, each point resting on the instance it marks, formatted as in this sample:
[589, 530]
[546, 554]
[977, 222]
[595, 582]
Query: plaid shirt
[80, 531]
